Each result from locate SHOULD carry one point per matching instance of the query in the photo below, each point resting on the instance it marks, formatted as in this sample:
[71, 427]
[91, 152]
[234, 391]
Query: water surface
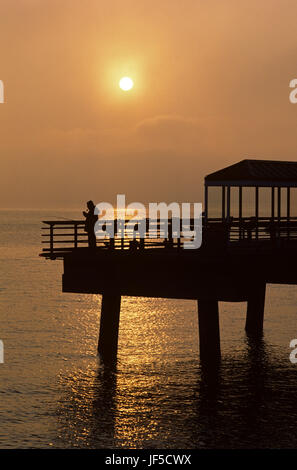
[55, 393]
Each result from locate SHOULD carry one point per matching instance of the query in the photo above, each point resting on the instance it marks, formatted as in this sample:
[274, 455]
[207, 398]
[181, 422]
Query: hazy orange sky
[211, 87]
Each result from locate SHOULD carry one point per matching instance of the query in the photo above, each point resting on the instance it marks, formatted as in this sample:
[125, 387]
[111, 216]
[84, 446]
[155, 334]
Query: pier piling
[255, 310]
[109, 326]
[209, 330]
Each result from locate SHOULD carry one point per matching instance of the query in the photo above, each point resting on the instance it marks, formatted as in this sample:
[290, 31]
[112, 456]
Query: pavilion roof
[255, 173]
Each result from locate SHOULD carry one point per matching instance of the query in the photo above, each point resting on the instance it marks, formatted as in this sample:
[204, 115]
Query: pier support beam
[109, 327]
[209, 331]
[255, 310]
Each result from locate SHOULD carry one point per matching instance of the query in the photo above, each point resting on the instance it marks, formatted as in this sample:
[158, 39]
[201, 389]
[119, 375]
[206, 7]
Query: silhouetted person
[168, 242]
[250, 226]
[134, 244]
[228, 226]
[91, 219]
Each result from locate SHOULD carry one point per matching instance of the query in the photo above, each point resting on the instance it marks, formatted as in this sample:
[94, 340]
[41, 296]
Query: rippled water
[54, 391]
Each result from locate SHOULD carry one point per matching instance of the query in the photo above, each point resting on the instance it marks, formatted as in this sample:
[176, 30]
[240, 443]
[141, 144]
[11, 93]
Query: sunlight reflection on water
[55, 392]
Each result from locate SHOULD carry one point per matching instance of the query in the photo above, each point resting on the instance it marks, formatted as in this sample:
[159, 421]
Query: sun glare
[126, 83]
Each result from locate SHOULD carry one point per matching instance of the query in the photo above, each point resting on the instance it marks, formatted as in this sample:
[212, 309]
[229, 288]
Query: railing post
[257, 210]
[288, 211]
[51, 239]
[120, 233]
[75, 236]
[180, 234]
[170, 233]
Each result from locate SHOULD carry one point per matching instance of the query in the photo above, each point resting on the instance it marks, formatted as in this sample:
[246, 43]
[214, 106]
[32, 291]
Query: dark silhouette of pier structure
[239, 255]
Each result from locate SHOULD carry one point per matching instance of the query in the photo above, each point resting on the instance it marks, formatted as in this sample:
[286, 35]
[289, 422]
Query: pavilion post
[279, 203]
[228, 202]
[288, 202]
[206, 202]
[272, 202]
[240, 211]
[288, 210]
[223, 201]
[257, 210]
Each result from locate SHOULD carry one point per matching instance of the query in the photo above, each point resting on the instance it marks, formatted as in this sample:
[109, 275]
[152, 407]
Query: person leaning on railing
[249, 226]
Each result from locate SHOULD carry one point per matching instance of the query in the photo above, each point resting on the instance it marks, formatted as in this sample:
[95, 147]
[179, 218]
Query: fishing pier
[239, 255]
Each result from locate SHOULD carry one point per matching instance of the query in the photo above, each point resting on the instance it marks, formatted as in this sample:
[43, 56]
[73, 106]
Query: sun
[126, 83]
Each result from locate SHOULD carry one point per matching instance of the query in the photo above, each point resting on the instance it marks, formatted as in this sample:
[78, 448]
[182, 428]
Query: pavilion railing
[262, 228]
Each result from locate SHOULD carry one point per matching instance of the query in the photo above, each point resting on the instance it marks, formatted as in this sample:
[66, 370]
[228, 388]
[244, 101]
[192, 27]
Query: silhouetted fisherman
[91, 219]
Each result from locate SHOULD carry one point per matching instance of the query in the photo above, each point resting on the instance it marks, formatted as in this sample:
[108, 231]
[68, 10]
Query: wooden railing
[60, 237]
[63, 236]
[263, 228]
